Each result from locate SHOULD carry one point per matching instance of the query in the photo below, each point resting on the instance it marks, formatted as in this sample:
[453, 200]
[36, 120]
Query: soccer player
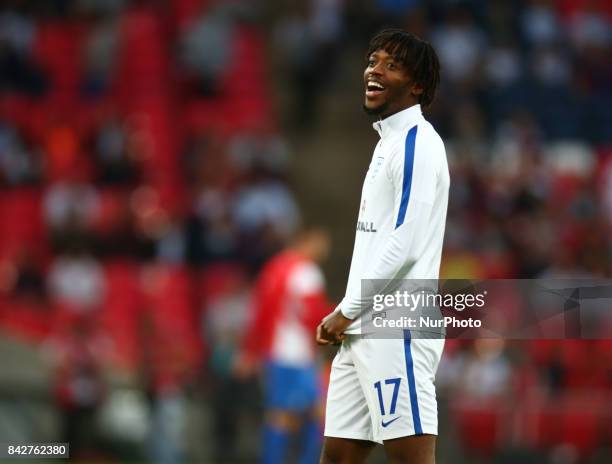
[289, 301]
[382, 390]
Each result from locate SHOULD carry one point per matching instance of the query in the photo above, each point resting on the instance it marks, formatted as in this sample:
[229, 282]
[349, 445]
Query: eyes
[390, 65]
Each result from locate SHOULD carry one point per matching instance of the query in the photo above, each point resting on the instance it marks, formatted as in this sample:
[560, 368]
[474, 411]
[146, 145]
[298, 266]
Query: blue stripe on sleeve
[407, 181]
[414, 402]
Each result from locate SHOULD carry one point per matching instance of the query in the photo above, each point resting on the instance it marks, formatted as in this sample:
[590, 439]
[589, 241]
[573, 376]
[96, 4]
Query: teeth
[375, 84]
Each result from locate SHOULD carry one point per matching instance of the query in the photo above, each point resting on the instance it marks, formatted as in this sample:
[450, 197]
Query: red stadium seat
[572, 419]
[169, 305]
[579, 427]
[582, 365]
[30, 322]
[247, 98]
[21, 222]
[541, 352]
[216, 278]
[58, 48]
[120, 317]
[143, 63]
[547, 426]
[478, 427]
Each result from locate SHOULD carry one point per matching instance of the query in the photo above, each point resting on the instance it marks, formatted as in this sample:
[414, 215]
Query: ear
[416, 89]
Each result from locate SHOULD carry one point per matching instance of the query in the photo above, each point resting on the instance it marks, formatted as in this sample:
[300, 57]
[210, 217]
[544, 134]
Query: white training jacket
[400, 228]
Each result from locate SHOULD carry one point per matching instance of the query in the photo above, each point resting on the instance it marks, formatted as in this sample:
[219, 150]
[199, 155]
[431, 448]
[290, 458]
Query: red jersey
[288, 303]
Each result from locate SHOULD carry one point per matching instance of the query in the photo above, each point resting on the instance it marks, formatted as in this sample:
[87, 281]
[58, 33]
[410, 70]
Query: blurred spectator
[164, 368]
[310, 36]
[327, 23]
[264, 210]
[460, 45]
[225, 318]
[18, 71]
[242, 206]
[70, 209]
[115, 158]
[167, 434]
[207, 46]
[266, 215]
[503, 66]
[259, 146]
[100, 53]
[540, 23]
[590, 27]
[171, 243]
[30, 284]
[212, 239]
[265, 201]
[117, 231]
[62, 145]
[147, 221]
[20, 164]
[481, 372]
[211, 233]
[78, 356]
[76, 280]
[551, 67]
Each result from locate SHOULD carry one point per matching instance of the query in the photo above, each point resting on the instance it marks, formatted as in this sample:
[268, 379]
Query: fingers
[325, 336]
[332, 332]
[319, 337]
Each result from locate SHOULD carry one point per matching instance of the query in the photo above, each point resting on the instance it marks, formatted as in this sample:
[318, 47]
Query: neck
[391, 112]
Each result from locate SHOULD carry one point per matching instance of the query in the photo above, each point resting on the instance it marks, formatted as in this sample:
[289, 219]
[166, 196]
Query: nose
[376, 70]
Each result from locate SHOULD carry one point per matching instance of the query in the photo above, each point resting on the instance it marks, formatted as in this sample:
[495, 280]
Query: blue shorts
[295, 389]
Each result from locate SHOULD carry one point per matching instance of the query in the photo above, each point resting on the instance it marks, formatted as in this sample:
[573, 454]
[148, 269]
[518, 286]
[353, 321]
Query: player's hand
[331, 329]
[322, 337]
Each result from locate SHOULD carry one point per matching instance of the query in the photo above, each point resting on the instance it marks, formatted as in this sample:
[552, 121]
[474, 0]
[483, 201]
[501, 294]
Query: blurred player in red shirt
[289, 299]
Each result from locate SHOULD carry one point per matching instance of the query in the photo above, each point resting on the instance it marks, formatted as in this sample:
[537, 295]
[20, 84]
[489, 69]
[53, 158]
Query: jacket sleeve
[412, 170]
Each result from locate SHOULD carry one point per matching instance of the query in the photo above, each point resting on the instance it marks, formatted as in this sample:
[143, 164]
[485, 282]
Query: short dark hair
[417, 55]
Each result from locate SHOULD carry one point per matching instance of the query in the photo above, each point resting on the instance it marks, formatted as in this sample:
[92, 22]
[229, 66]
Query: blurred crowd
[524, 112]
[144, 184]
[145, 180]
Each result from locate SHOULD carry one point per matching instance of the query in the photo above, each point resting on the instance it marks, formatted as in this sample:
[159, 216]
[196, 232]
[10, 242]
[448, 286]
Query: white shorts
[382, 389]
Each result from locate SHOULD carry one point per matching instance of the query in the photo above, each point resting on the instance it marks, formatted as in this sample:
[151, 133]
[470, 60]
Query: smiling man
[382, 390]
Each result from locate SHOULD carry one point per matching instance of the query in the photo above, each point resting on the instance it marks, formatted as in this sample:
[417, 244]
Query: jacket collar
[398, 121]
